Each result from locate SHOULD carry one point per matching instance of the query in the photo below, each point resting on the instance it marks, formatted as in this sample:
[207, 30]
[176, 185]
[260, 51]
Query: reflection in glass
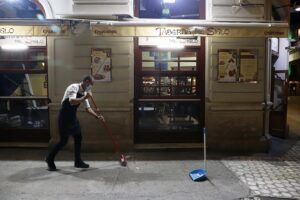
[188, 66]
[32, 59]
[19, 113]
[168, 61]
[148, 66]
[167, 116]
[17, 84]
[169, 86]
[179, 9]
[192, 56]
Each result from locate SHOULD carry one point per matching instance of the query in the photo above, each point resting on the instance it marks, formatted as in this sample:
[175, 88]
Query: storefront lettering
[50, 31]
[275, 33]
[172, 32]
[7, 30]
[217, 31]
[208, 31]
[102, 32]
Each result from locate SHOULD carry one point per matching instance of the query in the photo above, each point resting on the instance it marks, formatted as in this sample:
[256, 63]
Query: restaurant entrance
[169, 94]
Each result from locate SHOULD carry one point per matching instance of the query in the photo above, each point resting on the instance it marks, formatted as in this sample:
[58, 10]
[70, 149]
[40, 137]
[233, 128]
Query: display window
[24, 95]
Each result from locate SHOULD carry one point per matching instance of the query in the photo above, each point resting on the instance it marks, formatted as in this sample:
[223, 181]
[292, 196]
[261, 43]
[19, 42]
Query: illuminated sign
[26, 40]
[149, 41]
[16, 30]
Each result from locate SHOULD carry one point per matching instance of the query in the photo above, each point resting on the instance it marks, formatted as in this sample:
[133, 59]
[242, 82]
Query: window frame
[198, 72]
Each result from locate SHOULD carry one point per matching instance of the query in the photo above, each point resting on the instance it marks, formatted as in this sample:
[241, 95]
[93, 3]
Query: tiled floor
[270, 176]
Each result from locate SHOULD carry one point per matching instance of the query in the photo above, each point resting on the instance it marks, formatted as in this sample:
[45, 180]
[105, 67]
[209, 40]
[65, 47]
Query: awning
[147, 28]
[187, 28]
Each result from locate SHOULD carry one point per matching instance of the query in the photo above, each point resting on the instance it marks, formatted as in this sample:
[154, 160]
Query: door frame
[169, 137]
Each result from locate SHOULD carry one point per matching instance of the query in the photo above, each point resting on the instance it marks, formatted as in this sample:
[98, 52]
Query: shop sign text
[162, 31]
[7, 30]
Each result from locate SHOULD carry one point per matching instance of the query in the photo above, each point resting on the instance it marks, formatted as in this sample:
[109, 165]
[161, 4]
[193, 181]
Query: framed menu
[227, 65]
[101, 64]
[248, 65]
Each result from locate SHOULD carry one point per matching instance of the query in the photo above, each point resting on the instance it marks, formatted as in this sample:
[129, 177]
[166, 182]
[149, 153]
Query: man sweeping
[68, 123]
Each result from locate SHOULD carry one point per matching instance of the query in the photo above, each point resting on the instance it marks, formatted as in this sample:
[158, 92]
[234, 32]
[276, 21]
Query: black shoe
[51, 165]
[81, 164]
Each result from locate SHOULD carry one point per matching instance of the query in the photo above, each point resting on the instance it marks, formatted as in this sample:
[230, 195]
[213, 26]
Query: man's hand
[88, 95]
[100, 117]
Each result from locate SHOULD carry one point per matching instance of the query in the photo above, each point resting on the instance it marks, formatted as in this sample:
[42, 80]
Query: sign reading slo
[16, 30]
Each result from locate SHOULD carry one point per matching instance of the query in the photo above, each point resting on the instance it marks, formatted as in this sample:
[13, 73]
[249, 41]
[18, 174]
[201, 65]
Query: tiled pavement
[270, 176]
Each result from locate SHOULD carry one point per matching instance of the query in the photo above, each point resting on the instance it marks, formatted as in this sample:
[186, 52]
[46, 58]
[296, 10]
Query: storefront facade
[218, 79]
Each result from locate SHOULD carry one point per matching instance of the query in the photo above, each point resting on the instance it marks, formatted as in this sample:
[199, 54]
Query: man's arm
[94, 114]
[76, 101]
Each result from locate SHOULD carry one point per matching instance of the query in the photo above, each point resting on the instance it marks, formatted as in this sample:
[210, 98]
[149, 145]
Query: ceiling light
[12, 1]
[170, 46]
[14, 47]
[169, 1]
[296, 6]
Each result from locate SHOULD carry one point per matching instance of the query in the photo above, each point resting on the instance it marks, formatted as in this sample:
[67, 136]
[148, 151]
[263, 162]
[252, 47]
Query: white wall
[56, 9]
[282, 62]
[230, 10]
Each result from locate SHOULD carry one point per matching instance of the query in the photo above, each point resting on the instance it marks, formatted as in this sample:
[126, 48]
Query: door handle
[267, 105]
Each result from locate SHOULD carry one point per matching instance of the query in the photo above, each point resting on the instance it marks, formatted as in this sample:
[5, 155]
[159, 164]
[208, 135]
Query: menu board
[227, 65]
[101, 64]
[248, 65]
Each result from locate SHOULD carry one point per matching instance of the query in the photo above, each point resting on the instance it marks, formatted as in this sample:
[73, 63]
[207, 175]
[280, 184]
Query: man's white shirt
[71, 93]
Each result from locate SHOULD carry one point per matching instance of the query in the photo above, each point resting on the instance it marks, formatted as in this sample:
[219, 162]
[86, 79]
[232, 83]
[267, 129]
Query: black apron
[67, 119]
[68, 125]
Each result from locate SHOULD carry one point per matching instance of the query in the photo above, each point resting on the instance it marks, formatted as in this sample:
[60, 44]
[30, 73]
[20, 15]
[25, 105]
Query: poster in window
[248, 65]
[227, 65]
[101, 64]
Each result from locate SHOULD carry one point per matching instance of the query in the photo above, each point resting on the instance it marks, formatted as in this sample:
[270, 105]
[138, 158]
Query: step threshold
[24, 144]
[168, 146]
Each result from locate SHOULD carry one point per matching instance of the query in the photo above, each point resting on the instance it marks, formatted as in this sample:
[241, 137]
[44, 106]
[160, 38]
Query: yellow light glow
[14, 47]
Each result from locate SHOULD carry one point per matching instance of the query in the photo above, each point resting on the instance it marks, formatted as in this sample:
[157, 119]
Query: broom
[123, 161]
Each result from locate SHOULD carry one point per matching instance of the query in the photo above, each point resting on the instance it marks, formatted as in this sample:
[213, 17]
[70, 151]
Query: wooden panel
[83, 50]
[118, 61]
[237, 97]
[235, 92]
[235, 124]
[238, 87]
[62, 65]
[112, 87]
[215, 72]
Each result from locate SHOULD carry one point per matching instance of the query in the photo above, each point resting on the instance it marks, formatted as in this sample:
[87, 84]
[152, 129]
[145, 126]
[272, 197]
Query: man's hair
[88, 78]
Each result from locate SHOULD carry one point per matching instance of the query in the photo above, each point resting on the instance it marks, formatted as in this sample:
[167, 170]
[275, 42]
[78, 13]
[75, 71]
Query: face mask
[88, 88]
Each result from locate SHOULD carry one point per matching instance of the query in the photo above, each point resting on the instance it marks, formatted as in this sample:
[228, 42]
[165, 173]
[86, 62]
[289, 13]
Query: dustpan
[200, 174]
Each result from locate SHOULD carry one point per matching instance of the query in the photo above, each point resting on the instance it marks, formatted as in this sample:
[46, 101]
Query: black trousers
[65, 130]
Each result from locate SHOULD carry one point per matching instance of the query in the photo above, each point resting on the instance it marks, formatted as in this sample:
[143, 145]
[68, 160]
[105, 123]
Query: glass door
[169, 90]
[278, 114]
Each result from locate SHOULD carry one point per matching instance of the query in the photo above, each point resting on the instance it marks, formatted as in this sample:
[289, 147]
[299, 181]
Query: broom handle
[116, 145]
[204, 143]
